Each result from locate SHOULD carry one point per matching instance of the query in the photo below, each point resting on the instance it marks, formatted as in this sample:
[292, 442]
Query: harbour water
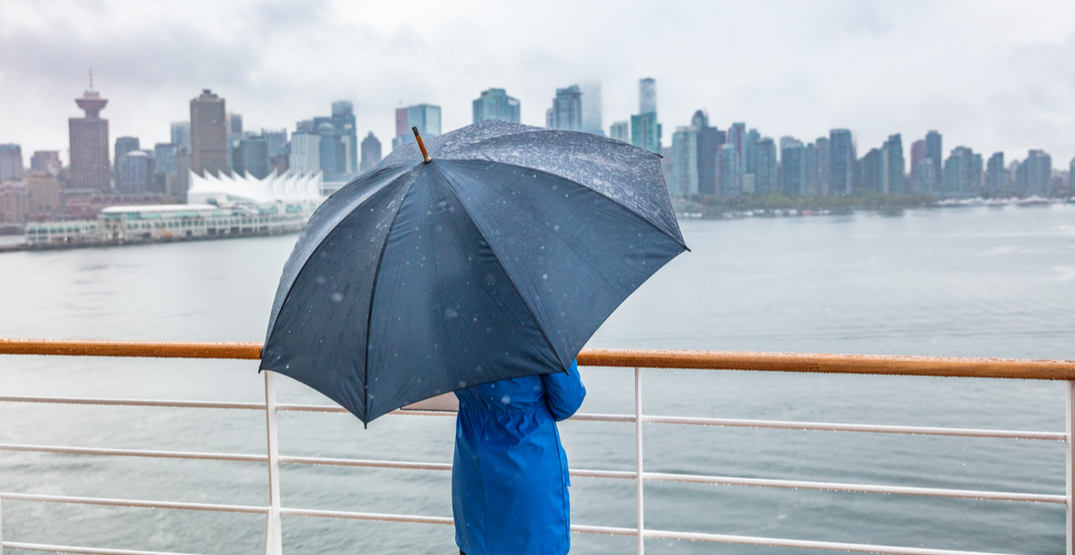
[983, 282]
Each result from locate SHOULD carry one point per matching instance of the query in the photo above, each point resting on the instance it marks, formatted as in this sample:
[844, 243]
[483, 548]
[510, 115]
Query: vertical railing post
[1069, 389]
[274, 544]
[638, 461]
[1, 527]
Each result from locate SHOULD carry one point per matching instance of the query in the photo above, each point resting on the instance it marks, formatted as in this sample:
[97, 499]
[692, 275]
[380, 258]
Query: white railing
[273, 537]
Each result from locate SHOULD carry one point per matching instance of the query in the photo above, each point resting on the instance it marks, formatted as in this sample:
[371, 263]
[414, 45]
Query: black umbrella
[496, 255]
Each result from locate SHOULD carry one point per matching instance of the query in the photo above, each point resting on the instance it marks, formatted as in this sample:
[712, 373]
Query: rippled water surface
[965, 282]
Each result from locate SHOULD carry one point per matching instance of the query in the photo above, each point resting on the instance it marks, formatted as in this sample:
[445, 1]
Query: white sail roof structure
[289, 188]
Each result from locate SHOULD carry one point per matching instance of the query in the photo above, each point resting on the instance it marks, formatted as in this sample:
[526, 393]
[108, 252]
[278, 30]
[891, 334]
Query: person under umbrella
[481, 266]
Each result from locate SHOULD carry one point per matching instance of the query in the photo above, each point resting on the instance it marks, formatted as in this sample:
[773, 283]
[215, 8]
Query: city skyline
[986, 75]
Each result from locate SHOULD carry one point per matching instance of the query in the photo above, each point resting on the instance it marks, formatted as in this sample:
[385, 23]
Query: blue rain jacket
[509, 476]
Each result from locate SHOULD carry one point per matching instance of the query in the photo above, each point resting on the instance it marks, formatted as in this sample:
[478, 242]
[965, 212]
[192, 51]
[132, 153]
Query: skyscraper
[793, 166]
[426, 117]
[935, 152]
[566, 111]
[123, 146]
[10, 163]
[47, 161]
[134, 172]
[892, 165]
[343, 119]
[305, 154]
[962, 172]
[371, 152]
[646, 132]
[871, 168]
[591, 107]
[824, 168]
[495, 104]
[208, 134]
[647, 95]
[841, 162]
[736, 143]
[684, 161]
[90, 164]
[180, 132]
[620, 131]
[1035, 174]
[996, 177]
[709, 141]
[766, 170]
[918, 155]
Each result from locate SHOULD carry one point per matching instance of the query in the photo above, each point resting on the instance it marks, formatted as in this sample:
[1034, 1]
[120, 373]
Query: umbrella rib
[496, 257]
[369, 313]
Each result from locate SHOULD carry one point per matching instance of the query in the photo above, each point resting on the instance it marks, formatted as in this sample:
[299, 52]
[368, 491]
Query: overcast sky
[989, 75]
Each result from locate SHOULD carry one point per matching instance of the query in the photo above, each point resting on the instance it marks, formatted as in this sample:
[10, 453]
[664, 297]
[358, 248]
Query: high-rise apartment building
[647, 95]
[343, 120]
[962, 172]
[209, 134]
[371, 152]
[591, 107]
[134, 173]
[646, 132]
[426, 117]
[824, 168]
[709, 141]
[305, 154]
[180, 133]
[934, 152]
[1034, 176]
[870, 172]
[766, 169]
[90, 164]
[566, 111]
[792, 166]
[10, 163]
[892, 165]
[620, 131]
[996, 176]
[47, 161]
[495, 104]
[841, 162]
[123, 146]
[684, 178]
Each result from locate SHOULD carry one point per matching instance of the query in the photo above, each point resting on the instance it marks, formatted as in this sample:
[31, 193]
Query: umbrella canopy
[498, 259]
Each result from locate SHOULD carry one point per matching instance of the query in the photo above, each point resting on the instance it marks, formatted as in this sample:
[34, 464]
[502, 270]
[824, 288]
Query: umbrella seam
[496, 257]
[373, 294]
[678, 240]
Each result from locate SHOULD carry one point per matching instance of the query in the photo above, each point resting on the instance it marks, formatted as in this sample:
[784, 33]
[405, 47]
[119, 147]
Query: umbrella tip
[421, 145]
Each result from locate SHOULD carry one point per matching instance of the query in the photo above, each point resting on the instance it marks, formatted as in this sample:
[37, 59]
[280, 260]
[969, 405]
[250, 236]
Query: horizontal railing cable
[578, 473]
[807, 544]
[133, 503]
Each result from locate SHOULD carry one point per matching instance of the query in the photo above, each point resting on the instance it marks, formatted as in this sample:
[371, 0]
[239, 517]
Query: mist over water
[955, 282]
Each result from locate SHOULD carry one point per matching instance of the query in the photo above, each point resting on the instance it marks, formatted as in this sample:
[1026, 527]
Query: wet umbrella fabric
[498, 259]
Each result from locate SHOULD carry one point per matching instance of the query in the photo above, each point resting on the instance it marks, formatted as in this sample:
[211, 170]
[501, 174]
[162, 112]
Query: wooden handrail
[627, 358]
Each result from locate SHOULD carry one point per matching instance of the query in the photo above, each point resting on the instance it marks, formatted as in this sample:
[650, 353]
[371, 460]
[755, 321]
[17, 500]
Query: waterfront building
[620, 131]
[871, 169]
[495, 104]
[766, 168]
[208, 134]
[134, 170]
[1034, 175]
[892, 165]
[43, 195]
[934, 152]
[591, 107]
[824, 168]
[426, 117]
[14, 203]
[305, 154]
[647, 95]
[841, 162]
[962, 173]
[123, 146]
[180, 134]
[646, 132]
[566, 111]
[343, 119]
[709, 140]
[793, 167]
[252, 157]
[371, 152]
[925, 177]
[91, 168]
[11, 167]
[47, 161]
[996, 177]
[684, 178]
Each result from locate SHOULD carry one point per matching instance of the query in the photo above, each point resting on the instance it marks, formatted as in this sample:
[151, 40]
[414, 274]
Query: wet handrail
[621, 358]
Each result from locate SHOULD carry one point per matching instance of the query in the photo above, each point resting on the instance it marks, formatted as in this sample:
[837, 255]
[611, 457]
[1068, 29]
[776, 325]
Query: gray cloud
[991, 76]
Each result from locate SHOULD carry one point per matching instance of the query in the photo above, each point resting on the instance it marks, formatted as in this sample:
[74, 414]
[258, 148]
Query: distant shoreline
[776, 205]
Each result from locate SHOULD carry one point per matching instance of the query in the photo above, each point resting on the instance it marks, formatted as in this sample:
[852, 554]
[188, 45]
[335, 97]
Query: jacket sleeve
[564, 392]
